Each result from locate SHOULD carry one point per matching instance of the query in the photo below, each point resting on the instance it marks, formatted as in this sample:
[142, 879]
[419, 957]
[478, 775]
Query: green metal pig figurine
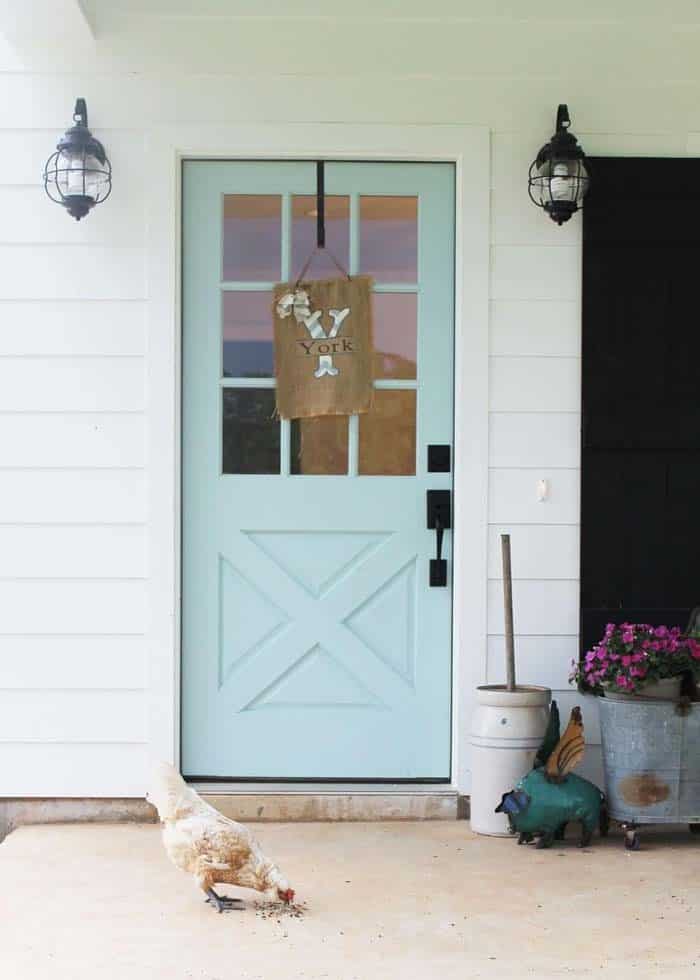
[549, 796]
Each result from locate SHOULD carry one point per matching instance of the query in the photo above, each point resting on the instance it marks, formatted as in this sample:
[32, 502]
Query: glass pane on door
[337, 221]
[320, 446]
[395, 335]
[388, 435]
[246, 332]
[252, 238]
[251, 433]
[389, 238]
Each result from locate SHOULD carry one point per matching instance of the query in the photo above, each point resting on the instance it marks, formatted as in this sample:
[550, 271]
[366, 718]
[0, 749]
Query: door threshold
[226, 787]
[281, 802]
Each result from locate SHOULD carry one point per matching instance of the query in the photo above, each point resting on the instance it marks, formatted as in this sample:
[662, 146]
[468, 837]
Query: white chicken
[208, 845]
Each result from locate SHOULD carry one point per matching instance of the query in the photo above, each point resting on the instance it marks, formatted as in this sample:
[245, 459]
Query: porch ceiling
[683, 11]
[631, 43]
[31, 21]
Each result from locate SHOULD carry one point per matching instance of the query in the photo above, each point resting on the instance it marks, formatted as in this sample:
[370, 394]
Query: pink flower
[630, 653]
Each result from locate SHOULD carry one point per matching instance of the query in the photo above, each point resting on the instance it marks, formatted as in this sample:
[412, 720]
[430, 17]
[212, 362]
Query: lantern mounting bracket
[563, 120]
[80, 115]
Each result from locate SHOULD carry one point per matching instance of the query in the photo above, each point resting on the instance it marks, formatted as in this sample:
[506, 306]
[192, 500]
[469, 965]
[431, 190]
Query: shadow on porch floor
[409, 900]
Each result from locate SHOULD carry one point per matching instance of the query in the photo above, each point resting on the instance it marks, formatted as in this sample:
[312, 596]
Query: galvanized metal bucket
[651, 758]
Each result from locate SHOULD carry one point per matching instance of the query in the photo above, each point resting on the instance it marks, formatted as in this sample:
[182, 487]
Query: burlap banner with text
[323, 347]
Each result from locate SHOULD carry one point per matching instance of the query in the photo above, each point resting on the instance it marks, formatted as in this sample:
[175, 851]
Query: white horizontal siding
[539, 551]
[36, 496]
[66, 662]
[544, 660]
[73, 769]
[87, 384]
[78, 328]
[60, 440]
[28, 220]
[74, 606]
[513, 496]
[514, 221]
[72, 716]
[10, 59]
[57, 551]
[542, 272]
[537, 328]
[505, 104]
[534, 384]
[71, 272]
[541, 608]
[534, 439]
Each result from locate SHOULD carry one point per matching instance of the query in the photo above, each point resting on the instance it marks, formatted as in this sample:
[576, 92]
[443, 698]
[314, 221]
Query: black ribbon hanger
[320, 204]
[321, 224]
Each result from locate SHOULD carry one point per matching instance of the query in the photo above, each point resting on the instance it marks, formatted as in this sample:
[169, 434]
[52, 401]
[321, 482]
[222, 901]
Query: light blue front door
[313, 644]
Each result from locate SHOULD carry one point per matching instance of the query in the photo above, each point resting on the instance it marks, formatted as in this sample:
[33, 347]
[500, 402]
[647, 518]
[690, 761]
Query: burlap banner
[323, 347]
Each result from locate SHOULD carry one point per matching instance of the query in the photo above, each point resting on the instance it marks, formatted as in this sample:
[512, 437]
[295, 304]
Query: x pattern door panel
[343, 634]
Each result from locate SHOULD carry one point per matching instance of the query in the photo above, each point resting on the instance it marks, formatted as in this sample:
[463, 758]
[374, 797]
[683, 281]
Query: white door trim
[469, 149]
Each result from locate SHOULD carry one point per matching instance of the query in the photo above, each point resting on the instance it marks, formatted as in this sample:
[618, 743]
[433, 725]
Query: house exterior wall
[75, 573]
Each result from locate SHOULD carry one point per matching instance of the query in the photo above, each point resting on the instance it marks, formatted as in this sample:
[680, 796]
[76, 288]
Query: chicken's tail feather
[169, 792]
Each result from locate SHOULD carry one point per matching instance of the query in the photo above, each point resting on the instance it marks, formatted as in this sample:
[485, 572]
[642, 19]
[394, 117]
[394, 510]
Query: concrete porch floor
[409, 900]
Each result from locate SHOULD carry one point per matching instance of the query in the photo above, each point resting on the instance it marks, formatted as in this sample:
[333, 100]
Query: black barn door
[640, 534]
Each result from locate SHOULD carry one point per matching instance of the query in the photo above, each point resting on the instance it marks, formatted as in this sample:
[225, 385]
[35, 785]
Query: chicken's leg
[222, 902]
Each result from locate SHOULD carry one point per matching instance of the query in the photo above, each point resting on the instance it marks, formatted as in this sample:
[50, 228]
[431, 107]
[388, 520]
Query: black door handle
[439, 518]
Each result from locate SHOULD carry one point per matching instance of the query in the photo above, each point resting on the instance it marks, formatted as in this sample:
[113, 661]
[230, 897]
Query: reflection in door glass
[388, 435]
[251, 433]
[247, 334]
[395, 334]
[389, 238]
[337, 216]
[320, 445]
[252, 237]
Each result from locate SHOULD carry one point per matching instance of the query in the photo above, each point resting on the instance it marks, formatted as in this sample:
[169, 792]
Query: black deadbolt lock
[439, 459]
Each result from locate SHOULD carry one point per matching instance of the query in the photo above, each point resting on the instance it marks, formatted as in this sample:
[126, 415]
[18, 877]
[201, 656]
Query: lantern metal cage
[78, 175]
[558, 180]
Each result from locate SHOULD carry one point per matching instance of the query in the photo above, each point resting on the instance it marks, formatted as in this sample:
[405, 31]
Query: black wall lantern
[78, 175]
[558, 178]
